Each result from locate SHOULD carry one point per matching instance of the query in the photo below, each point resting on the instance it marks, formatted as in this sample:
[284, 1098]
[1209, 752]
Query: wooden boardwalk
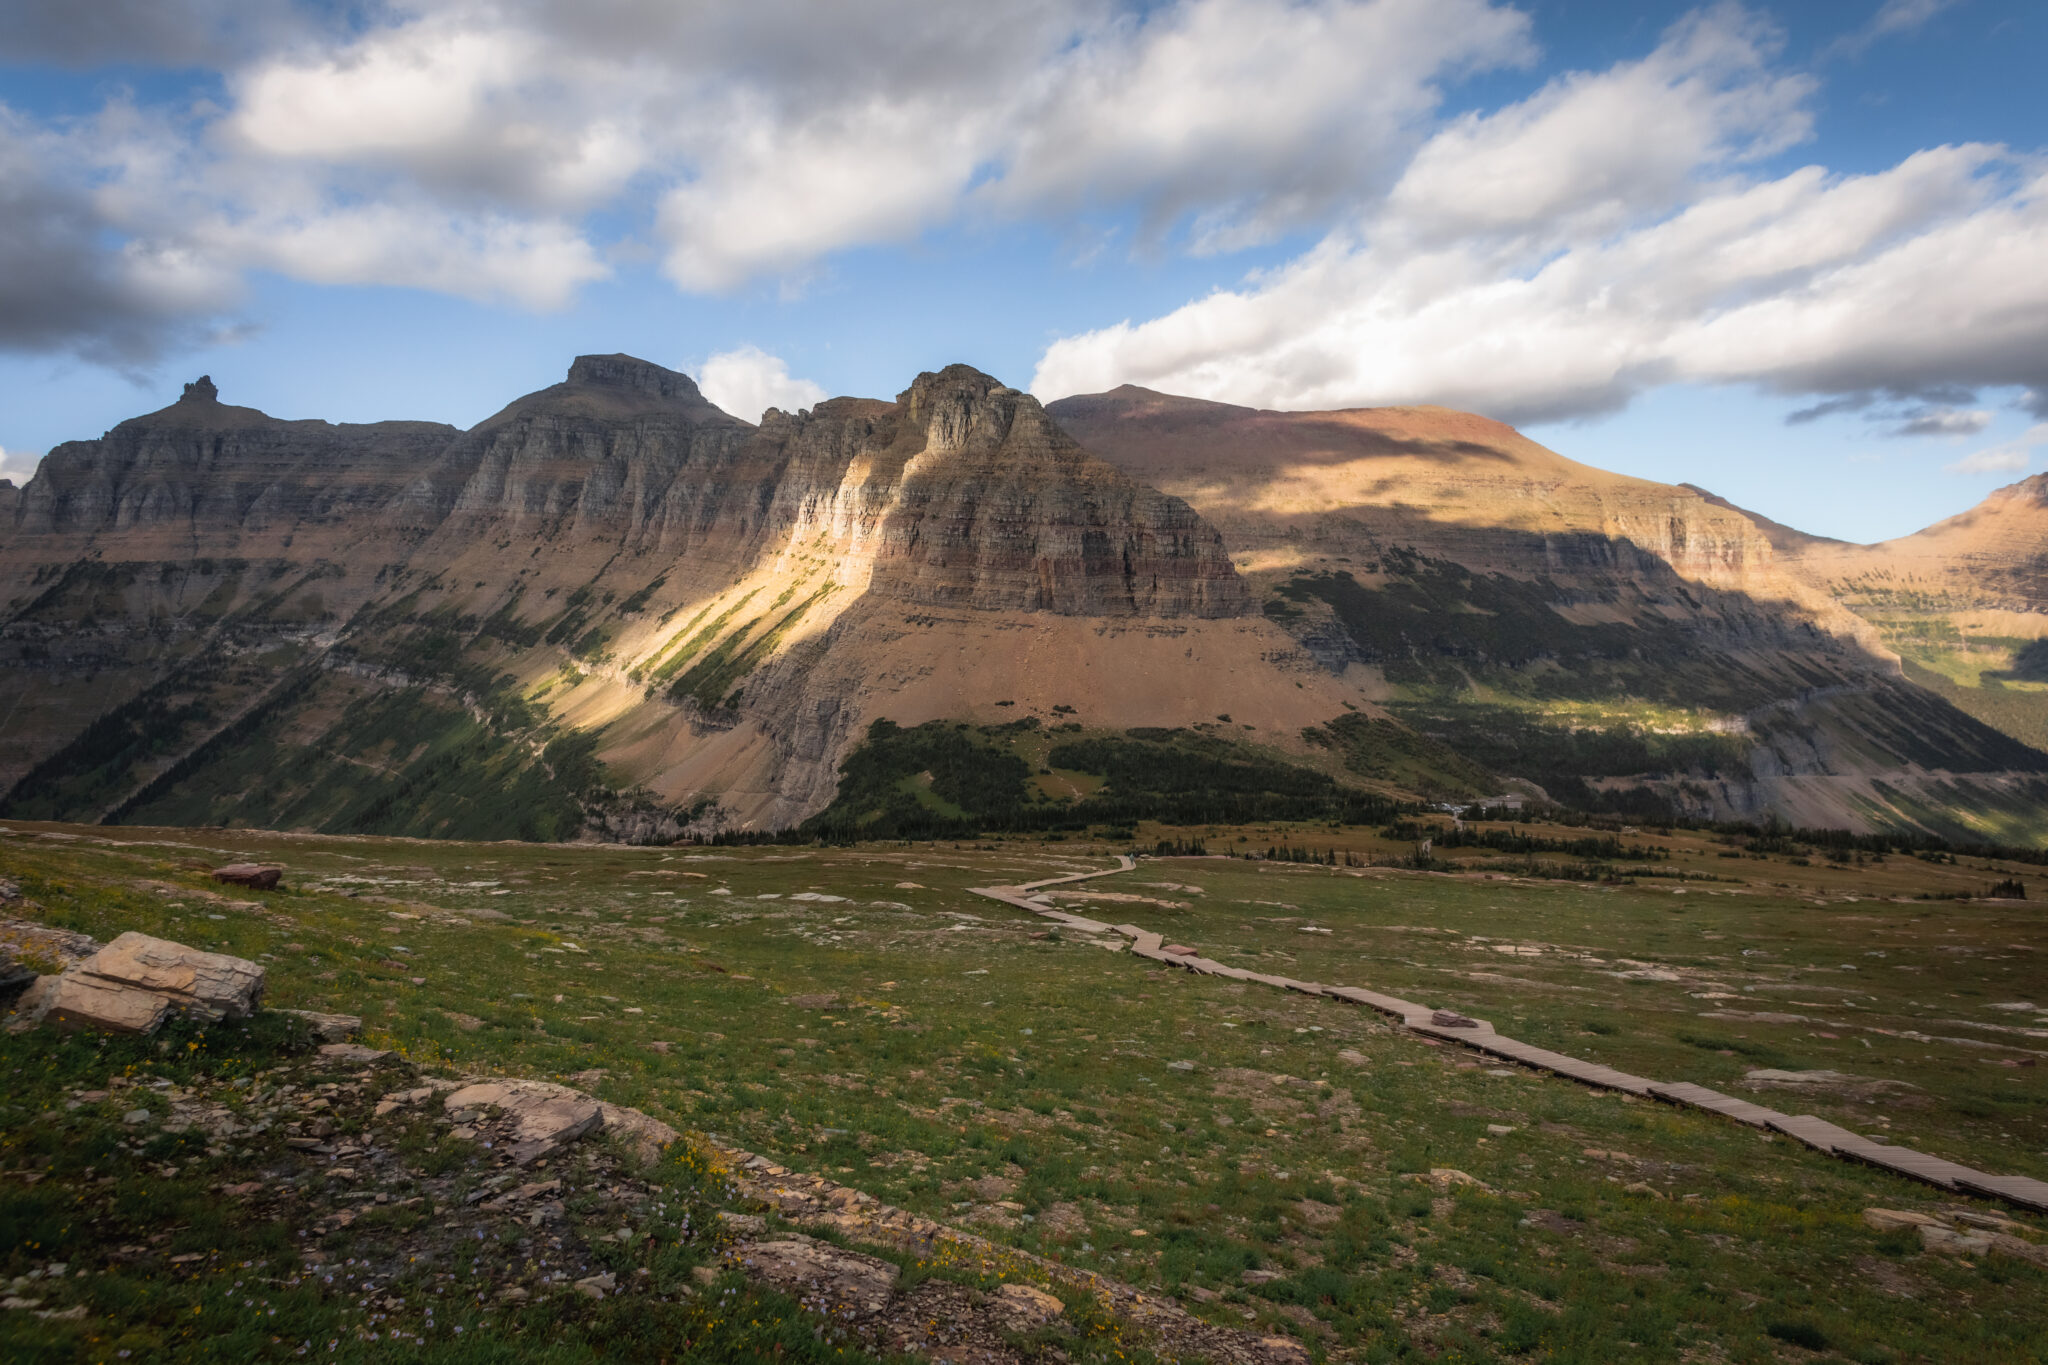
[1479, 1035]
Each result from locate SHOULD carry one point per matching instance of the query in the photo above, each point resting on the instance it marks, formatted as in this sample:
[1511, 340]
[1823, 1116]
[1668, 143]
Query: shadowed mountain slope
[1621, 642]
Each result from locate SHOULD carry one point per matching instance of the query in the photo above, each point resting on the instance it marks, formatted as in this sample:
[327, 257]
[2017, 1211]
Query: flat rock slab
[137, 982]
[810, 1269]
[1024, 1308]
[540, 1118]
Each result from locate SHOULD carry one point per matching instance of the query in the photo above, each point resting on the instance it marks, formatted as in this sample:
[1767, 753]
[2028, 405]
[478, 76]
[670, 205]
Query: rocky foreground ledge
[407, 1190]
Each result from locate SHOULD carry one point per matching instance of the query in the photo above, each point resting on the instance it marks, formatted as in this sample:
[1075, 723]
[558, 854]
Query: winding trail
[1480, 1036]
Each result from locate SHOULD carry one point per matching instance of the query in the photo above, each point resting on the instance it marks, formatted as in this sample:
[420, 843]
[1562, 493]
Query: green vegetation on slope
[948, 779]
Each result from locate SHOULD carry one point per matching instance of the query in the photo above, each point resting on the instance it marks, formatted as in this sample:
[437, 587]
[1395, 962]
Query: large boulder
[137, 982]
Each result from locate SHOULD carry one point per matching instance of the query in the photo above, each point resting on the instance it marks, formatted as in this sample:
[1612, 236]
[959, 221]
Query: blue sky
[1797, 254]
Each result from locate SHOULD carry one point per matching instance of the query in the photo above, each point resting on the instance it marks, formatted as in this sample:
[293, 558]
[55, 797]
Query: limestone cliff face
[965, 494]
[734, 603]
[223, 479]
[620, 450]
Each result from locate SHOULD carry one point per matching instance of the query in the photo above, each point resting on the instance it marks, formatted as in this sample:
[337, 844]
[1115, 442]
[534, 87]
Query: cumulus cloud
[748, 381]
[61, 289]
[18, 466]
[1549, 258]
[1554, 258]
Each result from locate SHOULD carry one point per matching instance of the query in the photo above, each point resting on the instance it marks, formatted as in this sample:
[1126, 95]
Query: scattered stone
[542, 1118]
[256, 876]
[1446, 1178]
[801, 1265]
[1941, 1238]
[329, 1028]
[597, 1286]
[1889, 1220]
[1025, 1308]
[1261, 1276]
[1282, 1351]
[1773, 1077]
[1501, 1129]
[353, 1052]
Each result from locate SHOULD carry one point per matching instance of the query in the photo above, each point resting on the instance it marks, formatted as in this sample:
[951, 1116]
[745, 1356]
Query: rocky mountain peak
[961, 409]
[622, 371]
[2034, 490]
[201, 390]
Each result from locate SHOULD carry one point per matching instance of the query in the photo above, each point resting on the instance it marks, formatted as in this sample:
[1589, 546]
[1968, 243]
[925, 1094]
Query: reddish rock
[256, 876]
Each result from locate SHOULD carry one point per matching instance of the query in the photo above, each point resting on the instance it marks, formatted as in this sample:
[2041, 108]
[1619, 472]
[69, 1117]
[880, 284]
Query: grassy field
[1288, 1164]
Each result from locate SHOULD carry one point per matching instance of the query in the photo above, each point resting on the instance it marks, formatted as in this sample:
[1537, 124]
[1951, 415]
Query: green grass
[968, 1065]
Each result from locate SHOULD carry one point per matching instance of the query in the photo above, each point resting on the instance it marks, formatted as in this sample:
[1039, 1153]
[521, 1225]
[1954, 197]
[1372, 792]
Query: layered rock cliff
[613, 607]
[724, 606]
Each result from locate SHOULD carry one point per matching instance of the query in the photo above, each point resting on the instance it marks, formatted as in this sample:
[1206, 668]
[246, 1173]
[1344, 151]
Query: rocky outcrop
[136, 983]
[228, 479]
[995, 507]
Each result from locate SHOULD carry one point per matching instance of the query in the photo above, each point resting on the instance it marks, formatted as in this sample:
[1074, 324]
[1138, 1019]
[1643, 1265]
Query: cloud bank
[1545, 259]
[1554, 258]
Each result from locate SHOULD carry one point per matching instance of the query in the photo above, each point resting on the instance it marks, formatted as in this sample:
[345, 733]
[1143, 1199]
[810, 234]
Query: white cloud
[1546, 259]
[1990, 462]
[1893, 18]
[748, 381]
[2006, 457]
[1930, 419]
[465, 145]
[18, 465]
[1634, 250]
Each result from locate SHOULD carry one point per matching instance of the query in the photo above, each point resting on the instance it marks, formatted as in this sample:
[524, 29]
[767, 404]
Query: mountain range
[612, 610]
